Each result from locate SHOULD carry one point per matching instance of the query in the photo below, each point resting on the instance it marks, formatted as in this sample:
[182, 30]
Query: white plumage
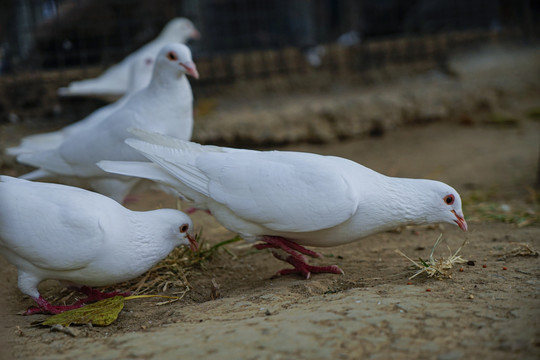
[115, 80]
[164, 106]
[139, 78]
[51, 231]
[291, 197]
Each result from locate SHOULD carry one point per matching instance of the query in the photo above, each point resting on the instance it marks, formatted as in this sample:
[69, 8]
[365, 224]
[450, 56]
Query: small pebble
[471, 296]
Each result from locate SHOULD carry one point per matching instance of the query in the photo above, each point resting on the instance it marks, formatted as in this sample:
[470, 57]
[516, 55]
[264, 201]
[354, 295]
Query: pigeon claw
[296, 257]
[276, 242]
[46, 308]
[92, 295]
[303, 268]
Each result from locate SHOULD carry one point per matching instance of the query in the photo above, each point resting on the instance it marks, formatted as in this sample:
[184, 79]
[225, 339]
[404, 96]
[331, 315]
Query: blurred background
[59, 34]
[439, 89]
[254, 49]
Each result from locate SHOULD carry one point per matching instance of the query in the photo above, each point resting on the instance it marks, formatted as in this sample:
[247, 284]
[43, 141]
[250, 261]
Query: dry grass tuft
[441, 267]
[518, 249]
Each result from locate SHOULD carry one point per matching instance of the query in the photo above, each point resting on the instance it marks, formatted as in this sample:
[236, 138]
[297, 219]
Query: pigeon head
[446, 204]
[179, 30]
[175, 60]
[185, 232]
[178, 228]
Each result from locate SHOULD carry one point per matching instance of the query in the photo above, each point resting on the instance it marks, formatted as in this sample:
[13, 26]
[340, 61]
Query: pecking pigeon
[164, 106]
[139, 78]
[51, 231]
[290, 199]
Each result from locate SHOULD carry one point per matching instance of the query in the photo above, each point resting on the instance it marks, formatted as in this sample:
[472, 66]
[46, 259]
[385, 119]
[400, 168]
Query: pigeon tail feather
[36, 174]
[48, 160]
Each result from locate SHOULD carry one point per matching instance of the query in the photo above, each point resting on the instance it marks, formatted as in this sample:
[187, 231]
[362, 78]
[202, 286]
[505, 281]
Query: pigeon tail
[37, 142]
[36, 175]
[48, 160]
[144, 170]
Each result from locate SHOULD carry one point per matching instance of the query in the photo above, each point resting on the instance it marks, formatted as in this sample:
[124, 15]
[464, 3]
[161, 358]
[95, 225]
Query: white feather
[115, 80]
[164, 106]
[140, 76]
[307, 198]
[52, 231]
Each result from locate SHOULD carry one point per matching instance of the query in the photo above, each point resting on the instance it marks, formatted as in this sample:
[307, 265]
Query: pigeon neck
[173, 85]
[405, 202]
[149, 244]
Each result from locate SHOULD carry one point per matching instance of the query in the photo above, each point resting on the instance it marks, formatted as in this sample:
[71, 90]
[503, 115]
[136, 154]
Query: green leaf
[101, 313]
[423, 262]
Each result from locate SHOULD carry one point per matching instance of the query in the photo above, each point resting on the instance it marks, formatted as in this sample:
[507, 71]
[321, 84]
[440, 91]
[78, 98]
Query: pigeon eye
[183, 228]
[449, 199]
[171, 55]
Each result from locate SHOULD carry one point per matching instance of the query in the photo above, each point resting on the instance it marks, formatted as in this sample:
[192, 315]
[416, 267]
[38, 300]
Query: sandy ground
[489, 310]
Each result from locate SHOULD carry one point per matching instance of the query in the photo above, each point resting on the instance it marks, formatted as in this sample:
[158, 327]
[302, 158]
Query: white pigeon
[114, 81]
[139, 78]
[52, 231]
[164, 106]
[290, 199]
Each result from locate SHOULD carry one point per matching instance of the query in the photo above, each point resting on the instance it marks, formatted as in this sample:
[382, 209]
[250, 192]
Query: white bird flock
[115, 80]
[164, 106]
[139, 78]
[52, 231]
[290, 199]
[285, 200]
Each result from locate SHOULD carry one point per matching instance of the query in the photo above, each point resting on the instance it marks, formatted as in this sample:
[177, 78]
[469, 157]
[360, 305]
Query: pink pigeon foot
[295, 257]
[96, 295]
[303, 268]
[92, 295]
[46, 308]
[130, 199]
[192, 210]
[276, 242]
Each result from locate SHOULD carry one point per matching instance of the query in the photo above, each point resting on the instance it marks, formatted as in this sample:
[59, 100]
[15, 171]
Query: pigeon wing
[45, 233]
[282, 191]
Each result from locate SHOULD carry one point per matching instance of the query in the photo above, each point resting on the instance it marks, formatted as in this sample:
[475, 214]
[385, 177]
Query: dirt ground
[370, 312]
[489, 310]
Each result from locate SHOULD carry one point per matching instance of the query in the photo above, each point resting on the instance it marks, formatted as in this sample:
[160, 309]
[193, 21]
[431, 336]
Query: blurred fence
[69, 39]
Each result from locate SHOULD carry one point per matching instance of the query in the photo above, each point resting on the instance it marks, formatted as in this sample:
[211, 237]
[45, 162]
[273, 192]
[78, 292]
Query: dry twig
[440, 267]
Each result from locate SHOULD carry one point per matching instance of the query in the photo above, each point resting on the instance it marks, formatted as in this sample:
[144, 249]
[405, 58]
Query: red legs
[303, 268]
[96, 295]
[44, 307]
[288, 246]
[295, 257]
[192, 210]
[130, 199]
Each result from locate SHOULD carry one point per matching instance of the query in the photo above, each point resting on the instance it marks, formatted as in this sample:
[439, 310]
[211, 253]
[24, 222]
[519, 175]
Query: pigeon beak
[460, 221]
[191, 69]
[195, 34]
[193, 243]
